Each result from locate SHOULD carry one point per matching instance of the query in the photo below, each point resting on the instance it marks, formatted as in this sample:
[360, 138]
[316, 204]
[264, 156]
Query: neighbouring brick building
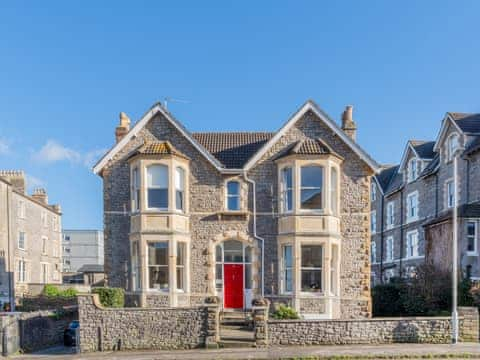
[30, 238]
[411, 219]
[240, 214]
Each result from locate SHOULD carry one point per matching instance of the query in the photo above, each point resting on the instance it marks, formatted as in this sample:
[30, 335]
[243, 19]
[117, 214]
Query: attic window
[413, 169]
[452, 146]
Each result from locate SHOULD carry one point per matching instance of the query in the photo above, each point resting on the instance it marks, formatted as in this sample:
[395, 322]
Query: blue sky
[68, 68]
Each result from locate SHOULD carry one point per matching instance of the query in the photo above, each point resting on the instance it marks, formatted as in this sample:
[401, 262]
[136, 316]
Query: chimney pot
[123, 127]
[40, 195]
[348, 125]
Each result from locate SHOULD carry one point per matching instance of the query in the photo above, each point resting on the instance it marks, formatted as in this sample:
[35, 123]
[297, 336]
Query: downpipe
[254, 208]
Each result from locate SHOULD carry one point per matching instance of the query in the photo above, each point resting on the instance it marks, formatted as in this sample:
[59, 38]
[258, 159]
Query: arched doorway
[233, 274]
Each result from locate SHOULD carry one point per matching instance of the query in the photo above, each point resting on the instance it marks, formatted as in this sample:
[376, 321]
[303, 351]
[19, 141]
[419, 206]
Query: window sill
[225, 214]
[413, 219]
[472, 253]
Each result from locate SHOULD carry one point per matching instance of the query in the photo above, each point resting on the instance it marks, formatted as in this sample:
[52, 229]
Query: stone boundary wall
[434, 330]
[108, 329]
[36, 303]
[32, 331]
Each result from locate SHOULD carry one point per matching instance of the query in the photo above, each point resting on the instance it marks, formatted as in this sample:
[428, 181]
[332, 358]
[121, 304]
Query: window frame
[334, 190]
[390, 214]
[22, 276]
[373, 222]
[449, 197]
[389, 249]
[410, 244]
[321, 187]
[180, 186]
[24, 241]
[473, 252]
[147, 187]
[313, 268]
[44, 245]
[21, 213]
[136, 189]
[285, 190]
[228, 195]
[373, 252]
[411, 218]
[167, 266]
[412, 172]
[286, 268]
[449, 149]
[182, 267]
[373, 191]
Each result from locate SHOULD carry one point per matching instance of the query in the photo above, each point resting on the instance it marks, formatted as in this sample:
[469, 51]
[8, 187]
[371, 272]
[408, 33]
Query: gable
[321, 116]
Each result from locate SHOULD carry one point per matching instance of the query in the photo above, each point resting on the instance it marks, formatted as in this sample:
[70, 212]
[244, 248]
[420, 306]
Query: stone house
[412, 203]
[30, 238]
[239, 215]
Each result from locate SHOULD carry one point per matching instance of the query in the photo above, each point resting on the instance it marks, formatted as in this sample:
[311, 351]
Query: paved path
[371, 351]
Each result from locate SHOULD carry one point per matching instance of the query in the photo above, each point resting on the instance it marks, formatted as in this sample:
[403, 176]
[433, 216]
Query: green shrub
[54, 291]
[111, 297]
[51, 291]
[285, 312]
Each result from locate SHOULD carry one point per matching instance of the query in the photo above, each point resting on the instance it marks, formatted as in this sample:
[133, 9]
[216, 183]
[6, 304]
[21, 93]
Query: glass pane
[179, 179]
[179, 199]
[158, 198]
[233, 203]
[248, 254]
[287, 256]
[334, 186]
[248, 276]
[158, 277]
[180, 278]
[157, 176]
[311, 256]
[233, 245]
[311, 198]
[312, 176]
[287, 178]
[288, 280]
[158, 253]
[180, 253]
[233, 188]
[471, 229]
[219, 275]
[218, 253]
[311, 280]
[233, 251]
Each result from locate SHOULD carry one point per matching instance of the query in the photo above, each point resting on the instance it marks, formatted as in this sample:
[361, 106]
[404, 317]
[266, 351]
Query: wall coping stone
[383, 319]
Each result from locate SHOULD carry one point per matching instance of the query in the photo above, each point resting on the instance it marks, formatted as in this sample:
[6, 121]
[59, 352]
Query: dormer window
[233, 196]
[180, 189]
[157, 187]
[413, 169]
[311, 180]
[287, 189]
[452, 146]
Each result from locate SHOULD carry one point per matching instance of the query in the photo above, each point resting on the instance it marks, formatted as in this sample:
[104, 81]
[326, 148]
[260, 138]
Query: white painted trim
[139, 125]
[404, 156]
[310, 105]
[447, 119]
[417, 216]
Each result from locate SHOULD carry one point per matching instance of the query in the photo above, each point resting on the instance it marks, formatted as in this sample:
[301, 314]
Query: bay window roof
[157, 148]
[307, 147]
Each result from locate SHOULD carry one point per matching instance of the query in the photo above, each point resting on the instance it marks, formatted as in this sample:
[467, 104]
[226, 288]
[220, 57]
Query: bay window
[180, 189]
[233, 195]
[286, 189]
[334, 271]
[135, 267]
[287, 273]
[158, 266]
[311, 268]
[311, 180]
[157, 187]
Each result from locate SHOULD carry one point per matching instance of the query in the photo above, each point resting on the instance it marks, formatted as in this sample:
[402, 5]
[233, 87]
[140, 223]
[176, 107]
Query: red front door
[233, 292]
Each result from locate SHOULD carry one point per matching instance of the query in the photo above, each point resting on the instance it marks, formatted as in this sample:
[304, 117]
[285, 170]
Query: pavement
[392, 351]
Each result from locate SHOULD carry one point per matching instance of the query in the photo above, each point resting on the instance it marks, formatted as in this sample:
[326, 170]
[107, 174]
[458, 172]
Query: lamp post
[454, 252]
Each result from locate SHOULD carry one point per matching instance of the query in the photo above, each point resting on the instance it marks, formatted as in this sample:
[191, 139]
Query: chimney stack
[348, 125]
[123, 127]
[16, 178]
[40, 195]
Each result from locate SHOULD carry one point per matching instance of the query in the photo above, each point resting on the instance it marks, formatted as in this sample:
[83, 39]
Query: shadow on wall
[406, 332]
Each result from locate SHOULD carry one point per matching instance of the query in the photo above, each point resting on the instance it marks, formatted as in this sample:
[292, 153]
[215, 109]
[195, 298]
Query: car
[70, 333]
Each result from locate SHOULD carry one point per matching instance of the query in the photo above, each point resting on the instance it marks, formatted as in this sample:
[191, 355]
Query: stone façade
[206, 198]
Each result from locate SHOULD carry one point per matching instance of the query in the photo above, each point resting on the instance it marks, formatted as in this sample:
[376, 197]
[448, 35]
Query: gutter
[245, 176]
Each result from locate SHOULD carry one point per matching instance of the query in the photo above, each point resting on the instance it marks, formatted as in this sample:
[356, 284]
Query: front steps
[236, 330]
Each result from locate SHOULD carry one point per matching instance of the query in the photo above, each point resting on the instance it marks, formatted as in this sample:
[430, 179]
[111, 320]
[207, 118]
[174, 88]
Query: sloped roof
[384, 177]
[424, 149]
[469, 123]
[157, 148]
[431, 167]
[473, 146]
[91, 268]
[464, 211]
[306, 147]
[232, 149]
